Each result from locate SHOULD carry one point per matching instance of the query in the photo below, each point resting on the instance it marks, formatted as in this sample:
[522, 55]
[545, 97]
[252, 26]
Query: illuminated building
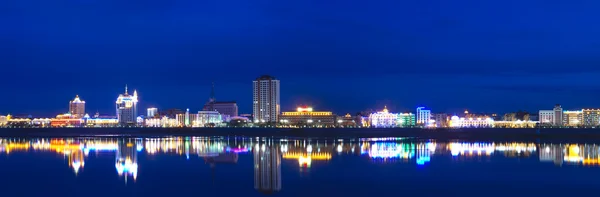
[572, 118]
[407, 120]
[480, 122]
[66, 120]
[267, 168]
[77, 107]
[347, 121]
[127, 108]
[101, 122]
[152, 112]
[207, 119]
[305, 116]
[3, 120]
[515, 124]
[41, 122]
[558, 115]
[227, 109]
[383, 119]
[591, 117]
[546, 117]
[441, 120]
[266, 102]
[423, 116]
[162, 122]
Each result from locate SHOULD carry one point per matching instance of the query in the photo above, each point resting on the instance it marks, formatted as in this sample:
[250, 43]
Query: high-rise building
[558, 115]
[77, 107]
[152, 112]
[591, 117]
[266, 103]
[127, 108]
[423, 116]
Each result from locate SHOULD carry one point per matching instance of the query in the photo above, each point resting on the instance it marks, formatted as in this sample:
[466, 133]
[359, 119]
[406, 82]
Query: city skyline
[399, 54]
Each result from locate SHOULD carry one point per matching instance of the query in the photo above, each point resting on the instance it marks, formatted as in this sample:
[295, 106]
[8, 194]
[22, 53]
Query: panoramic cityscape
[267, 112]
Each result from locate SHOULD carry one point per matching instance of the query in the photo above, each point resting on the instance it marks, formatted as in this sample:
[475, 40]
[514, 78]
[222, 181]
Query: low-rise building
[515, 124]
[407, 120]
[479, 122]
[591, 117]
[572, 118]
[66, 120]
[305, 116]
[347, 121]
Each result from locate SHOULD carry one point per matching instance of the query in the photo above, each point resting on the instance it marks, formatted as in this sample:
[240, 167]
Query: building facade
[406, 120]
[480, 122]
[127, 108]
[441, 120]
[152, 112]
[572, 118]
[423, 116]
[383, 119]
[266, 102]
[558, 115]
[305, 116]
[591, 117]
[546, 117]
[77, 107]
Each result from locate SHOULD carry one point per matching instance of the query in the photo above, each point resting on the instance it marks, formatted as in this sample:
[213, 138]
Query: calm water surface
[227, 166]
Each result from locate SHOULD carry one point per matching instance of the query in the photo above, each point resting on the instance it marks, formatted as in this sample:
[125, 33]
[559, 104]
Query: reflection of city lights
[309, 148]
[339, 148]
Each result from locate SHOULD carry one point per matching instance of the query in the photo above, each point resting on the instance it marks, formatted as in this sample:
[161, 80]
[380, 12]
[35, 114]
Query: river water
[235, 166]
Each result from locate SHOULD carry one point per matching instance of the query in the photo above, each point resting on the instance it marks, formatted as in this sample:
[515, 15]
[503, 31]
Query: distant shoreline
[526, 134]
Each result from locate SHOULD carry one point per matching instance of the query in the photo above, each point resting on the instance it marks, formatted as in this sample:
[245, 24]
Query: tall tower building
[77, 107]
[423, 116]
[127, 108]
[558, 115]
[266, 105]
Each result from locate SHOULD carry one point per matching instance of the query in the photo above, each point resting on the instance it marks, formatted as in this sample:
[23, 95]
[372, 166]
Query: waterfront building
[18, 122]
[515, 124]
[101, 122]
[164, 122]
[591, 117]
[152, 112]
[347, 121]
[3, 120]
[41, 122]
[441, 120]
[480, 122]
[227, 109]
[267, 167]
[383, 119]
[77, 107]
[558, 115]
[407, 120]
[546, 117]
[423, 116]
[572, 118]
[266, 103]
[127, 108]
[66, 120]
[207, 119]
[305, 116]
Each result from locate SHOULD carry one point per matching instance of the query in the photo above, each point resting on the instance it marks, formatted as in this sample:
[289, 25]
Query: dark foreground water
[227, 166]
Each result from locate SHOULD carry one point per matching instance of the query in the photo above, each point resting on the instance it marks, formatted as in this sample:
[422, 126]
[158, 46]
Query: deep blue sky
[344, 56]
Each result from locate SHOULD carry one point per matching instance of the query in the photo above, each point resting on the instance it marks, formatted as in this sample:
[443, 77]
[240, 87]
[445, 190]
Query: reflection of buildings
[267, 167]
[126, 160]
[583, 154]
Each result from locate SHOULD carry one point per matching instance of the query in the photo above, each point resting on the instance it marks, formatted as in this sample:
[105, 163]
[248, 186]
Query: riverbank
[443, 134]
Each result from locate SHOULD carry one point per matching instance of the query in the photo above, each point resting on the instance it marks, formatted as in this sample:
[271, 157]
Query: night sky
[345, 56]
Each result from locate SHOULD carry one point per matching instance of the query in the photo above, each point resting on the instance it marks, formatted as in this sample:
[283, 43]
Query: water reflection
[267, 154]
